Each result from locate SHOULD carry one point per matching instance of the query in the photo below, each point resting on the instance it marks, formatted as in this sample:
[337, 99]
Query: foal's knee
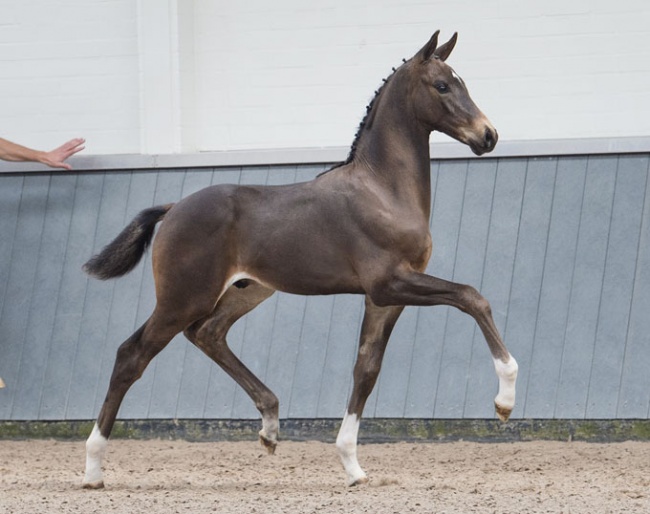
[473, 302]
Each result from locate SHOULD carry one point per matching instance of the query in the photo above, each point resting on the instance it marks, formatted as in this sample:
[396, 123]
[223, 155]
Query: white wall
[160, 76]
[67, 69]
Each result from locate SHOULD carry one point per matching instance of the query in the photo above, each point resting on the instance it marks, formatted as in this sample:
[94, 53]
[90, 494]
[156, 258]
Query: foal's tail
[122, 254]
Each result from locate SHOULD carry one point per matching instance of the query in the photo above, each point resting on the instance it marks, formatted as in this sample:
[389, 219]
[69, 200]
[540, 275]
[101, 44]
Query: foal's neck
[395, 148]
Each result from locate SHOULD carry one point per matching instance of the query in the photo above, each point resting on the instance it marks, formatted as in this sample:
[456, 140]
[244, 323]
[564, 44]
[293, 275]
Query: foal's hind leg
[132, 358]
[209, 334]
[378, 323]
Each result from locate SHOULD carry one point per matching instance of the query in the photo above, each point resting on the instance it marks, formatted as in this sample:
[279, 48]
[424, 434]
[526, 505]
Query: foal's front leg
[412, 288]
[378, 323]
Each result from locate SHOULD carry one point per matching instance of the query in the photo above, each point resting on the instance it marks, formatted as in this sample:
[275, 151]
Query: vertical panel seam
[453, 273]
[485, 251]
[30, 301]
[83, 306]
[327, 349]
[514, 258]
[602, 288]
[645, 208]
[13, 245]
[58, 296]
[541, 286]
[573, 271]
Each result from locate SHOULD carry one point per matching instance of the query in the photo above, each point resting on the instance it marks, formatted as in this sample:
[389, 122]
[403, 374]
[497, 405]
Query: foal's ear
[443, 51]
[427, 50]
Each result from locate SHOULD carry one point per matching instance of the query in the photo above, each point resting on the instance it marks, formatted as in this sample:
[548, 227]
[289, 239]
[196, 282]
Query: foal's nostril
[490, 138]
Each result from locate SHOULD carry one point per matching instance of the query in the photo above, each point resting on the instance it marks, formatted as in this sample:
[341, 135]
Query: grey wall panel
[388, 400]
[634, 391]
[21, 284]
[69, 300]
[527, 273]
[469, 261]
[91, 351]
[541, 372]
[51, 257]
[560, 247]
[586, 287]
[9, 207]
[447, 216]
[310, 362]
[617, 288]
[496, 284]
[336, 377]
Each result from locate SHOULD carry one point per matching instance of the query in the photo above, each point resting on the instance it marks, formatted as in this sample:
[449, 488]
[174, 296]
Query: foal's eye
[441, 87]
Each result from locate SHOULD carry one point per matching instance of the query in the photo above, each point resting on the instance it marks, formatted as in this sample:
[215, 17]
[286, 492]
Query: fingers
[56, 158]
[72, 147]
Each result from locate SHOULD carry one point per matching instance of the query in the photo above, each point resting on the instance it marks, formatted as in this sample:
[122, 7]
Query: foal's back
[294, 238]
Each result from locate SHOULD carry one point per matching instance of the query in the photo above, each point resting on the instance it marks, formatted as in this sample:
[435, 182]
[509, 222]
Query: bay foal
[361, 227]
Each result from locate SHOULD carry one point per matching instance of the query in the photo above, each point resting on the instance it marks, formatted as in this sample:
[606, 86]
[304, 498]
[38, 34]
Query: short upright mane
[366, 122]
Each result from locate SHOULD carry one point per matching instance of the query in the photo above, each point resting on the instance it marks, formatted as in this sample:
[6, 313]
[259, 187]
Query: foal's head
[441, 100]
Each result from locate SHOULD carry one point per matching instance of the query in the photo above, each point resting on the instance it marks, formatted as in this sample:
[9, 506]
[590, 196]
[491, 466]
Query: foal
[361, 227]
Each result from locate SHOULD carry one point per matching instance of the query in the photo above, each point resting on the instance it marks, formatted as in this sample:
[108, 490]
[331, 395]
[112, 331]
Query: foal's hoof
[359, 481]
[268, 444]
[502, 412]
[93, 485]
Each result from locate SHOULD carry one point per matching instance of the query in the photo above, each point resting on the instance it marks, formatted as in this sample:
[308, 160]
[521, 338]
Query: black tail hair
[122, 254]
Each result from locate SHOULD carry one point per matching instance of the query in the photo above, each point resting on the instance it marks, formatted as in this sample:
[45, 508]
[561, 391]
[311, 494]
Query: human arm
[54, 158]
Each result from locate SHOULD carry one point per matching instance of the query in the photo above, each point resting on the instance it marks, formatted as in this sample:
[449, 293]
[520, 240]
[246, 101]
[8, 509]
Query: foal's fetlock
[502, 412]
[269, 432]
[270, 426]
[269, 444]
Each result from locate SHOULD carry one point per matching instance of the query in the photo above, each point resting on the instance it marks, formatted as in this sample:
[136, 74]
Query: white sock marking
[95, 449]
[346, 443]
[507, 373]
[270, 428]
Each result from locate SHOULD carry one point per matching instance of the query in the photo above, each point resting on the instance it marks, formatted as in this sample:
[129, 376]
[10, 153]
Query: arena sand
[306, 477]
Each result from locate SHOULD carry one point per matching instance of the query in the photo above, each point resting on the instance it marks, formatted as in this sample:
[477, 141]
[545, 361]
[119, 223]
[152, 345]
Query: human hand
[56, 158]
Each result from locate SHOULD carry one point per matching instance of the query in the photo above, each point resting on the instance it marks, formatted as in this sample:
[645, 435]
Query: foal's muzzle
[486, 143]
